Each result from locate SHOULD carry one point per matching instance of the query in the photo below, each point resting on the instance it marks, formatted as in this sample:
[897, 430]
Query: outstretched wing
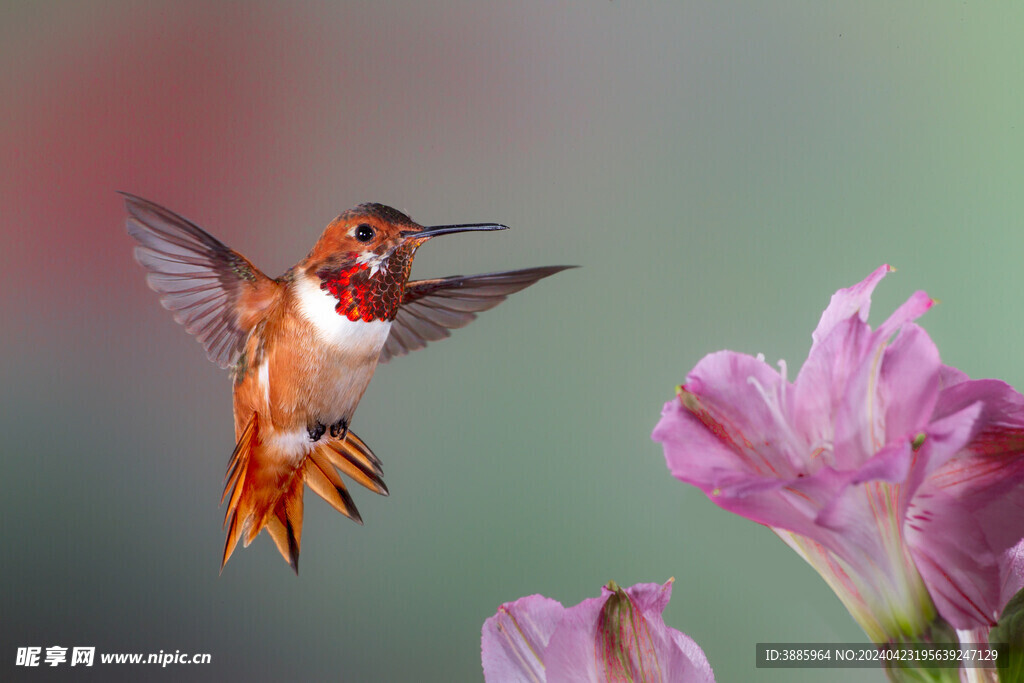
[213, 291]
[430, 308]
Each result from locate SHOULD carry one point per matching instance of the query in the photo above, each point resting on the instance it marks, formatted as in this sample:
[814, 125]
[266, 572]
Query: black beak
[436, 230]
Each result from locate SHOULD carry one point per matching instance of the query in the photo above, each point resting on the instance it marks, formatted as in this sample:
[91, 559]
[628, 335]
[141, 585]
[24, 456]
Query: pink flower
[900, 480]
[619, 636]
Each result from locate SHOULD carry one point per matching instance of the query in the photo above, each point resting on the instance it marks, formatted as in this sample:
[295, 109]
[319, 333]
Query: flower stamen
[790, 445]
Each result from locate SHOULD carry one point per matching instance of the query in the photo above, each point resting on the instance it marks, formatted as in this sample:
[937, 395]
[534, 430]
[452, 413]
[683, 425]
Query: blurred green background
[717, 168]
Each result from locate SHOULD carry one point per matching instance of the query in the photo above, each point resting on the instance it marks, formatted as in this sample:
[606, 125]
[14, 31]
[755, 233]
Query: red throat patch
[366, 297]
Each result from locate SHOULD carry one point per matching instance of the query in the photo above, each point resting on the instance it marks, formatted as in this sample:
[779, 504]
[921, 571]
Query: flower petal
[854, 509]
[701, 454]
[909, 382]
[571, 655]
[866, 523]
[820, 386]
[1002, 415]
[668, 655]
[910, 310]
[1011, 568]
[967, 521]
[742, 400]
[686, 661]
[513, 640]
[831, 395]
[852, 301]
[650, 598]
[950, 376]
[955, 561]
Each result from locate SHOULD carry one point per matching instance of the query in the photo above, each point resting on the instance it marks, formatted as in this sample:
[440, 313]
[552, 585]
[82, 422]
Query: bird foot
[316, 430]
[339, 430]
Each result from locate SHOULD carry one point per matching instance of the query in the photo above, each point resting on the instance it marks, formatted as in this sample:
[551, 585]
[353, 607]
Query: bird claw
[316, 430]
[339, 430]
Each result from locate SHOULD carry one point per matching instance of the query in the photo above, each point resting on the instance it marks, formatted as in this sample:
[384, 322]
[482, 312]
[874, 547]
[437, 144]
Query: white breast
[318, 307]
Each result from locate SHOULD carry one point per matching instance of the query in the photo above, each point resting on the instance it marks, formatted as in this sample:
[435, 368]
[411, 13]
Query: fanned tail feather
[235, 484]
[285, 525]
[355, 460]
[264, 488]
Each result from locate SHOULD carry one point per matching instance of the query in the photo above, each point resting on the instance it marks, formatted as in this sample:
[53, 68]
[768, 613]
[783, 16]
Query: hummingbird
[302, 348]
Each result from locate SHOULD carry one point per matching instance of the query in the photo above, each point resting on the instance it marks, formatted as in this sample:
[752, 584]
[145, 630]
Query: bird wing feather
[215, 292]
[431, 308]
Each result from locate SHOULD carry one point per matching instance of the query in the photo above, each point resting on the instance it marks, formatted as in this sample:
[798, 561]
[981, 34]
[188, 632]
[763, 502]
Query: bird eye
[365, 233]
